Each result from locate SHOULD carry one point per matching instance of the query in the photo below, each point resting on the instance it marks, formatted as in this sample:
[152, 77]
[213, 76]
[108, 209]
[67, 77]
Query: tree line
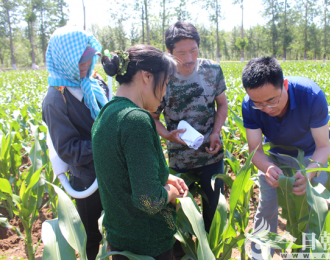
[25, 29]
[295, 30]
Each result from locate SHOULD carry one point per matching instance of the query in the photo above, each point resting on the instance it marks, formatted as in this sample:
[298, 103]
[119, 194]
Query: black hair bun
[110, 65]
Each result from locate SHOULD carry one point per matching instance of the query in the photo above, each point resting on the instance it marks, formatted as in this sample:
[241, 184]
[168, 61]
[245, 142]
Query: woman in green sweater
[137, 192]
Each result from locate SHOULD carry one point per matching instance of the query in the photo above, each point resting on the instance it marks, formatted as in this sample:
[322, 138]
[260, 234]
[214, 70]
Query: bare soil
[12, 245]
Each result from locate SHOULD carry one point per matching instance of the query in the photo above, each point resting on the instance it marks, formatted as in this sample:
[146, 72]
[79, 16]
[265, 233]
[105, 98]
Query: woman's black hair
[142, 57]
[260, 71]
[181, 30]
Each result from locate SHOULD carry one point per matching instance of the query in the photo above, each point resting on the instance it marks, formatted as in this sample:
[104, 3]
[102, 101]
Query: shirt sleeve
[319, 116]
[138, 139]
[221, 84]
[247, 119]
[65, 137]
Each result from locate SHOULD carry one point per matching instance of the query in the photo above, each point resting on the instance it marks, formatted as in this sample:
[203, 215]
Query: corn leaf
[70, 223]
[197, 223]
[218, 223]
[55, 245]
[5, 186]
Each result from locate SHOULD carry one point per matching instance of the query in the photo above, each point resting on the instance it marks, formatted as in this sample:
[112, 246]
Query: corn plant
[27, 202]
[310, 209]
[65, 234]
[222, 238]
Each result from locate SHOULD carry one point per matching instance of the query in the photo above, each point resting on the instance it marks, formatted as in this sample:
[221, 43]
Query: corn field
[25, 188]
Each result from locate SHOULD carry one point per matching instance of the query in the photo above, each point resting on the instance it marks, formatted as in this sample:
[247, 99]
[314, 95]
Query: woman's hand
[172, 192]
[179, 184]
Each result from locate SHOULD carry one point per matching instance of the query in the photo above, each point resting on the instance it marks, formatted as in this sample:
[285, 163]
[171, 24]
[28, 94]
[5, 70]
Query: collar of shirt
[76, 92]
[291, 96]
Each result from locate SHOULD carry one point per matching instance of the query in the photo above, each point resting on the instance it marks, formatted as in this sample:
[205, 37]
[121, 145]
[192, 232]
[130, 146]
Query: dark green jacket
[131, 171]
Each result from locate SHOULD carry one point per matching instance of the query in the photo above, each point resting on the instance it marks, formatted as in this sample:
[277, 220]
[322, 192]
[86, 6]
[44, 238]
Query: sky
[99, 13]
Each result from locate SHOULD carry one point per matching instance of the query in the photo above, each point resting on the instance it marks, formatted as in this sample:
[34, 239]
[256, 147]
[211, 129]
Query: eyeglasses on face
[274, 104]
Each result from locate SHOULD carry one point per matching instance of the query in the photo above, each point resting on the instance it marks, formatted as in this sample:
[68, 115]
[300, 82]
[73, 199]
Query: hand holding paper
[191, 136]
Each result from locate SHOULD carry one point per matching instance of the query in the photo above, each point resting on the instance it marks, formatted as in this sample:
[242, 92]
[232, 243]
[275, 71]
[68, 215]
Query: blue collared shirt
[308, 109]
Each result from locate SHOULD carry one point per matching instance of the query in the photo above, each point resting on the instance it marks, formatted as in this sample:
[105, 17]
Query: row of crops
[25, 186]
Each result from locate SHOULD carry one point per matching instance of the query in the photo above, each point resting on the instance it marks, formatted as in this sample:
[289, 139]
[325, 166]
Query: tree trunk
[33, 56]
[217, 21]
[147, 21]
[13, 60]
[1, 58]
[164, 25]
[142, 26]
[285, 33]
[84, 15]
[325, 31]
[242, 35]
[43, 38]
[273, 29]
[305, 40]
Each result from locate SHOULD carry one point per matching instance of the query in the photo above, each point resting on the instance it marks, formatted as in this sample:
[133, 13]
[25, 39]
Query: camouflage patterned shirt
[192, 98]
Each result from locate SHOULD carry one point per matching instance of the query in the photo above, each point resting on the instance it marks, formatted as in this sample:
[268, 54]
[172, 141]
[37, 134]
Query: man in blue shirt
[289, 111]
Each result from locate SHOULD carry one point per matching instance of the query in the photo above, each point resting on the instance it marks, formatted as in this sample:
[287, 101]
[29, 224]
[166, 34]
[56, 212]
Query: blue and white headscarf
[65, 48]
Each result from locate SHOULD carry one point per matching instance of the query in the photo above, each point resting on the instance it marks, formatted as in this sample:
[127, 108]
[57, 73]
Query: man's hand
[299, 186]
[272, 175]
[173, 136]
[215, 144]
[179, 184]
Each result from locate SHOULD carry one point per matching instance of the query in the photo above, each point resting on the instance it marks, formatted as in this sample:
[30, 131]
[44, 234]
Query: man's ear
[168, 51]
[286, 84]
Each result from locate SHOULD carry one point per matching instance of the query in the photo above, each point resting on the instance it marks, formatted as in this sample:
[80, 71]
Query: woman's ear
[146, 76]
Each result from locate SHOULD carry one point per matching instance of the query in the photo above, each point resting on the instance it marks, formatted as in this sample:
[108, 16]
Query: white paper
[191, 136]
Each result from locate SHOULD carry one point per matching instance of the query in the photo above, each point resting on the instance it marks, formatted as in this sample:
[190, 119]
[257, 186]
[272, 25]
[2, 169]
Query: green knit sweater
[131, 172]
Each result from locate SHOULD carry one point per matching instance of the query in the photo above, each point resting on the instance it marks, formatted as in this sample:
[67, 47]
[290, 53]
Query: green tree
[181, 11]
[120, 34]
[134, 36]
[30, 8]
[325, 18]
[165, 16]
[242, 30]
[235, 51]
[272, 10]
[61, 12]
[214, 15]
[9, 18]
[286, 36]
[3, 41]
[307, 8]
[242, 43]
[47, 20]
[315, 42]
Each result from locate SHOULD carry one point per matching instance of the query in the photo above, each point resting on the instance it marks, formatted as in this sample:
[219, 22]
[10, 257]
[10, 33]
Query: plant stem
[29, 244]
[243, 252]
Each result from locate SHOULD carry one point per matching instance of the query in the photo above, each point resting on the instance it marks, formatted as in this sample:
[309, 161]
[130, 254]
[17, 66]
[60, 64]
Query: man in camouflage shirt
[191, 94]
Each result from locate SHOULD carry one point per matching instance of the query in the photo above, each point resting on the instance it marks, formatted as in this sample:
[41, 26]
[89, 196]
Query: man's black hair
[180, 31]
[260, 71]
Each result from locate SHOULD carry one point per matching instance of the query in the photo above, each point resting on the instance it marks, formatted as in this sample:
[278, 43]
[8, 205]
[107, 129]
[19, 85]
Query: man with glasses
[288, 112]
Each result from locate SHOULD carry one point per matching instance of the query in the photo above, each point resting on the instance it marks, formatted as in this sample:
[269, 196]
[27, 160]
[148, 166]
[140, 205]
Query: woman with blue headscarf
[73, 101]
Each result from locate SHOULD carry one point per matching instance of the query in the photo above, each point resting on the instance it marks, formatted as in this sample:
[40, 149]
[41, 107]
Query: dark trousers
[89, 210]
[168, 255]
[213, 195]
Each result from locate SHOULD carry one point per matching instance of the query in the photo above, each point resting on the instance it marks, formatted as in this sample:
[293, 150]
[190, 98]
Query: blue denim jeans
[89, 210]
[213, 195]
[267, 212]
